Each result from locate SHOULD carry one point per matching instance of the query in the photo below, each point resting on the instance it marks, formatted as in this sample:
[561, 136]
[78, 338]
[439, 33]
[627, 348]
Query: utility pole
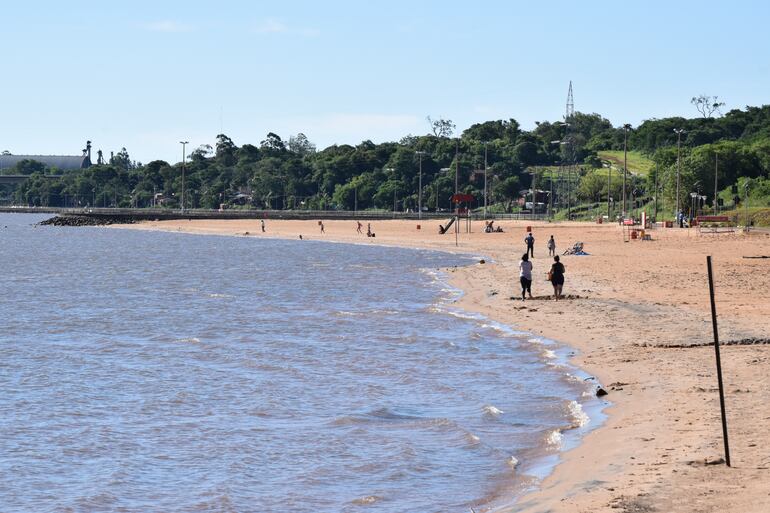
[419, 192]
[678, 132]
[568, 115]
[609, 183]
[486, 143]
[657, 170]
[716, 188]
[625, 166]
[184, 144]
[457, 174]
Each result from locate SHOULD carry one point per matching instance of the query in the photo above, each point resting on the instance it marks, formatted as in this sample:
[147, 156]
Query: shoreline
[531, 473]
[636, 299]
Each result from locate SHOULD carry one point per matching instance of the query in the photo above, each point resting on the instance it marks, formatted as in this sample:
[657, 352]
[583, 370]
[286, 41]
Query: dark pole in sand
[719, 362]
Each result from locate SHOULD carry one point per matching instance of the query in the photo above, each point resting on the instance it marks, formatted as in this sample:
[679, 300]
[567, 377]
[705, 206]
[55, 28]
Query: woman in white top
[525, 276]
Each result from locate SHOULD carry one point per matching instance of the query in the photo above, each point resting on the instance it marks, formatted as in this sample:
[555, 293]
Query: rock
[482, 261]
[600, 392]
[80, 220]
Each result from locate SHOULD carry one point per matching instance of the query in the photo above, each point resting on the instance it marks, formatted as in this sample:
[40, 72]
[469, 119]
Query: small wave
[493, 411]
[344, 313]
[549, 354]
[579, 417]
[472, 439]
[555, 438]
[188, 340]
[221, 296]
[513, 462]
[461, 315]
[366, 501]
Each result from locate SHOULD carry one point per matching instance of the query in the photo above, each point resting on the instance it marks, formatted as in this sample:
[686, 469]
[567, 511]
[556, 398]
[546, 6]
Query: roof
[63, 162]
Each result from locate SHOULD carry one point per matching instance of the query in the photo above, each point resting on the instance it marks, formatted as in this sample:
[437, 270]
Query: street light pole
[678, 132]
[609, 184]
[485, 179]
[716, 172]
[457, 174]
[390, 170]
[625, 166]
[184, 155]
[657, 170]
[419, 192]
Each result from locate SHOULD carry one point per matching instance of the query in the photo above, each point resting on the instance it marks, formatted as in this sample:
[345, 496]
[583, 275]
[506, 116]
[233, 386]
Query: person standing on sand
[321, 224]
[551, 246]
[557, 277]
[530, 241]
[358, 227]
[525, 276]
[263, 226]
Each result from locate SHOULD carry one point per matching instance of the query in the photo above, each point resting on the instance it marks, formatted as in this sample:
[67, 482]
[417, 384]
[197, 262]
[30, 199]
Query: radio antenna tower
[570, 104]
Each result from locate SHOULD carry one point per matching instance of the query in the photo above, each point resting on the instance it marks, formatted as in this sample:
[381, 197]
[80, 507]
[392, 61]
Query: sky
[146, 75]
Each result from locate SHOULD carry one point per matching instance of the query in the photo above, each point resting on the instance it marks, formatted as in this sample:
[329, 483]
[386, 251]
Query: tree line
[293, 174]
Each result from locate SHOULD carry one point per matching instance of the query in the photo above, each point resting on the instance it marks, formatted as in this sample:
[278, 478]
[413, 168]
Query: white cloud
[274, 26]
[168, 26]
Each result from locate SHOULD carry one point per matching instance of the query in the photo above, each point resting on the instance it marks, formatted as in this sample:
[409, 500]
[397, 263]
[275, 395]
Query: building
[61, 162]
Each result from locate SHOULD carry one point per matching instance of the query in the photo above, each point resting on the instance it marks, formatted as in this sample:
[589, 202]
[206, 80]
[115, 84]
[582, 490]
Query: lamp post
[569, 178]
[609, 184]
[626, 127]
[390, 170]
[716, 174]
[657, 170]
[184, 155]
[486, 143]
[419, 192]
[678, 132]
[443, 170]
[746, 188]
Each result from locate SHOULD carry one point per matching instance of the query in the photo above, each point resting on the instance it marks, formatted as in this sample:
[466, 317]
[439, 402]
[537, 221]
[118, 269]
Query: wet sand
[641, 305]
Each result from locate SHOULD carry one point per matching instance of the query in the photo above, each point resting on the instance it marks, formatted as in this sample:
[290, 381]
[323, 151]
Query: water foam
[555, 438]
[492, 410]
[579, 417]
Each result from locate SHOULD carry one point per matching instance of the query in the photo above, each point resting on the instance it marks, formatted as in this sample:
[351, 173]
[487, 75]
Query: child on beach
[557, 277]
[525, 276]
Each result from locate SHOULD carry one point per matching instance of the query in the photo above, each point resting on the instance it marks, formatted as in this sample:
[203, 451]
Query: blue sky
[146, 75]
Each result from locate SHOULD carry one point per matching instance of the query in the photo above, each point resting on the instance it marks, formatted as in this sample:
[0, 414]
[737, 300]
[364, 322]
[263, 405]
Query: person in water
[557, 277]
[525, 276]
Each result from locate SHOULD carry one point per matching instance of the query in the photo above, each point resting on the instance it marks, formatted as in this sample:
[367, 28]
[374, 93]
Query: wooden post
[719, 362]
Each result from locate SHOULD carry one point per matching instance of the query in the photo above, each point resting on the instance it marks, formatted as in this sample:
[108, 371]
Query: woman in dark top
[557, 277]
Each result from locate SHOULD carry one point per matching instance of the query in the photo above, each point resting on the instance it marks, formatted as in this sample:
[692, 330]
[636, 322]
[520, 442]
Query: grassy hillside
[637, 162]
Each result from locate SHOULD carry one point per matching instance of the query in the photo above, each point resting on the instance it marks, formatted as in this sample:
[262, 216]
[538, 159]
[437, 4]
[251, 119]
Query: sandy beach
[642, 326]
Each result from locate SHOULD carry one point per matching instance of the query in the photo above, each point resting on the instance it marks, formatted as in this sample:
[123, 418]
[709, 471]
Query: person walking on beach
[358, 227]
[557, 277]
[530, 241]
[551, 246]
[525, 276]
[263, 226]
[321, 224]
